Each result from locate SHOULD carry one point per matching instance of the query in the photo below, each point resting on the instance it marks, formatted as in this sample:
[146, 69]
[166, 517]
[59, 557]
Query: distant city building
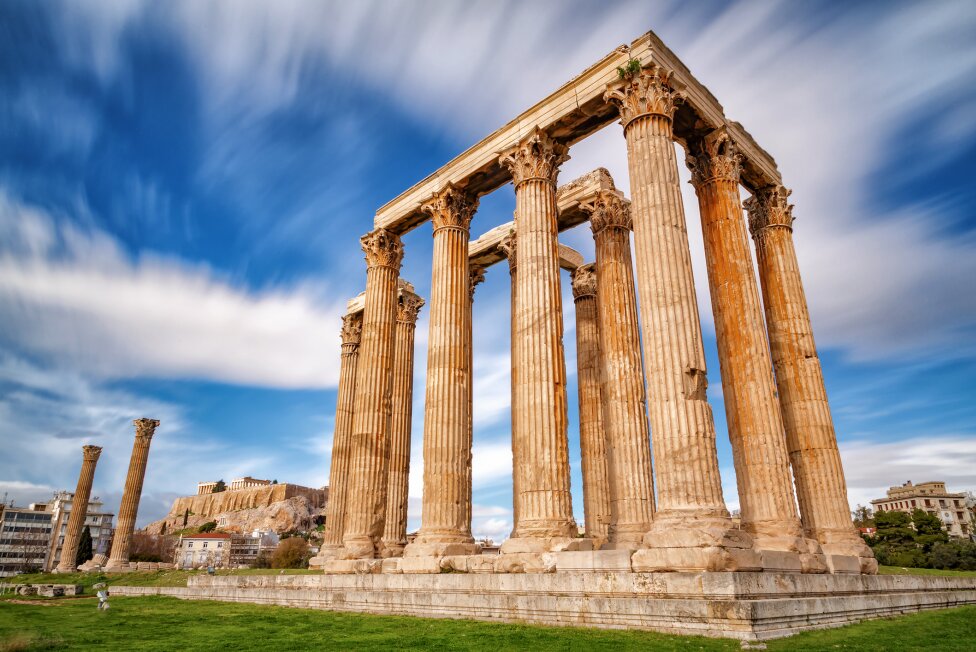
[931, 497]
[246, 548]
[97, 520]
[25, 538]
[31, 537]
[203, 550]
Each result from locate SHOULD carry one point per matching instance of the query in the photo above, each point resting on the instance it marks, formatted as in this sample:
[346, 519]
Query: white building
[246, 548]
[203, 550]
[25, 538]
[98, 521]
[932, 497]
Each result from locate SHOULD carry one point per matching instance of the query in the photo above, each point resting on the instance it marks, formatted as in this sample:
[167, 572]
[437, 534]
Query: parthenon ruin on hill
[651, 488]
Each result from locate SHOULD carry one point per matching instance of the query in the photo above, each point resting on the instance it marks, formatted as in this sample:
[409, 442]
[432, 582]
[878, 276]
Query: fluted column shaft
[545, 507]
[132, 492]
[589, 371]
[810, 436]
[510, 247]
[624, 415]
[370, 439]
[446, 519]
[335, 513]
[395, 531]
[751, 407]
[79, 510]
[689, 488]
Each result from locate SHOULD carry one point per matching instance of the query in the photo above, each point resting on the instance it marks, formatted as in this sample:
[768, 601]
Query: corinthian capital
[769, 206]
[713, 157]
[352, 328]
[584, 281]
[648, 92]
[383, 249]
[408, 307]
[537, 156]
[452, 207]
[608, 210]
[476, 276]
[91, 453]
[145, 428]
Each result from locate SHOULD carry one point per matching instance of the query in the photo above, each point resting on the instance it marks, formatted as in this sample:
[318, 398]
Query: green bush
[209, 526]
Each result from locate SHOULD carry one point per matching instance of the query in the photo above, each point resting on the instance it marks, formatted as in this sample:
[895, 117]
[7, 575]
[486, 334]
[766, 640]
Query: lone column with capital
[79, 510]
[119, 556]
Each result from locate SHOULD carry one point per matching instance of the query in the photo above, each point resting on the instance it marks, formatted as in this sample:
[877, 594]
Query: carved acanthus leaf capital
[383, 249]
[352, 328]
[90, 453]
[769, 206]
[648, 92]
[608, 210]
[508, 247]
[452, 207]
[476, 276]
[714, 157]
[408, 307]
[145, 428]
[537, 156]
[584, 281]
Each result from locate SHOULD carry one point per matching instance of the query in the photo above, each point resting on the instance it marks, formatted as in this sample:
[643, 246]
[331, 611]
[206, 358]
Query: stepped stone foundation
[746, 606]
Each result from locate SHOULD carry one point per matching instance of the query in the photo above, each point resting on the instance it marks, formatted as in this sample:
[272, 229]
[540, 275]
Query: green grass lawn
[162, 623]
[142, 578]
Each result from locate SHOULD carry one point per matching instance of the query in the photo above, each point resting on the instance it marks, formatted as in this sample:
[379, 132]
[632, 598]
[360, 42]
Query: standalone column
[691, 529]
[624, 414]
[335, 511]
[545, 507]
[370, 440]
[509, 247]
[79, 510]
[810, 436]
[589, 370]
[395, 532]
[476, 276]
[762, 466]
[446, 520]
[131, 494]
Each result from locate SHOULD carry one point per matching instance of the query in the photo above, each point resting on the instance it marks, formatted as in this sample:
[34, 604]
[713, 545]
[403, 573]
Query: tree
[209, 526]
[894, 528]
[220, 486]
[862, 516]
[162, 528]
[186, 516]
[290, 553]
[85, 551]
[928, 529]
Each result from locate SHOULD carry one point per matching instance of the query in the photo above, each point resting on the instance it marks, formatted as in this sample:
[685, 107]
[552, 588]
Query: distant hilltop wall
[250, 498]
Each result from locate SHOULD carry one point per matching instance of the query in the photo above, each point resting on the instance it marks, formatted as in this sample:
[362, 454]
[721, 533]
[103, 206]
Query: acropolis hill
[281, 507]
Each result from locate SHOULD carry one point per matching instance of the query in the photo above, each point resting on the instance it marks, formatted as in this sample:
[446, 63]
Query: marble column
[545, 507]
[129, 508]
[624, 413]
[335, 511]
[370, 439]
[589, 371]
[446, 519]
[79, 510]
[691, 528]
[476, 276]
[810, 437]
[755, 423]
[510, 249]
[395, 531]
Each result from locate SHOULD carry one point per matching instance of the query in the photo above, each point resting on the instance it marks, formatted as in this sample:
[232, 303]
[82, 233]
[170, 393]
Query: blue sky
[183, 184]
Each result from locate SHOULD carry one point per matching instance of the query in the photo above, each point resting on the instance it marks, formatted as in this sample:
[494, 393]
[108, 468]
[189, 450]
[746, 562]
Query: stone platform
[746, 606]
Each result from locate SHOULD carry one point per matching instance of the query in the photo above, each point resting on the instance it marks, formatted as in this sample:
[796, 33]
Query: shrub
[290, 553]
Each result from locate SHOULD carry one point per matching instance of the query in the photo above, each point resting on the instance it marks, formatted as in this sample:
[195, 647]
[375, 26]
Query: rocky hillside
[295, 513]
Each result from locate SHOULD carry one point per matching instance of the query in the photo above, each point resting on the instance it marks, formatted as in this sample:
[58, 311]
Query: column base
[692, 542]
[392, 549]
[845, 550]
[791, 554]
[356, 548]
[325, 554]
[440, 549]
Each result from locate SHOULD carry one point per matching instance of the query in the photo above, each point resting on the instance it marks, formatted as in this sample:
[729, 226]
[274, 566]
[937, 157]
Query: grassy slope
[140, 578]
[159, 623]
[896, 570]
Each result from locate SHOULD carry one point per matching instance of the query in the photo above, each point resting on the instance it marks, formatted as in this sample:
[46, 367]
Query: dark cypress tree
[85, 551]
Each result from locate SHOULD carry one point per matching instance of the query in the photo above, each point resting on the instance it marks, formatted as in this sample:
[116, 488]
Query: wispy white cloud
[154, 316]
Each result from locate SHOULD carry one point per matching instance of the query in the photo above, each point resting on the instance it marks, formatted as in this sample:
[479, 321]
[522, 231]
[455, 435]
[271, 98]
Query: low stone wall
[747, 606]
